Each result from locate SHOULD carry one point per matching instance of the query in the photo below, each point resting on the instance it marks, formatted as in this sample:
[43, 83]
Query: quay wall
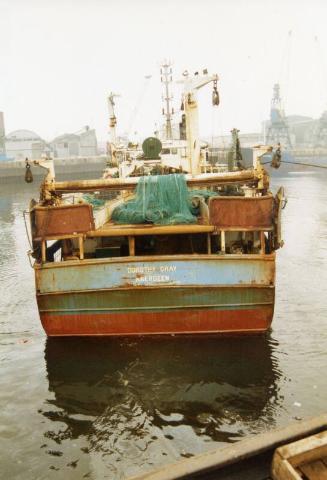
[79, 167]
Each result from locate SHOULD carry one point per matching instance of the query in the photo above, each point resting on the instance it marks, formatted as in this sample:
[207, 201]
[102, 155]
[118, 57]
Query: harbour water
[111, 408]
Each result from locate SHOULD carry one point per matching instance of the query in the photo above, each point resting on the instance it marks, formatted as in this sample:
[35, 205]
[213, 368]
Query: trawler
[158, 248]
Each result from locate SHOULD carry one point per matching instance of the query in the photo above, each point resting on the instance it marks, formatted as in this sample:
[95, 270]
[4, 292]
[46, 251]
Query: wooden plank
[57, 237]
[131, 246]
[44, 251]
[313, 453]
[247, 229]
[126, 230]
[247, 448]
[110, 230]
[305, 450]
[297, 454]
[281, 469]
[81, 248]
[222, 241]
[316, 470]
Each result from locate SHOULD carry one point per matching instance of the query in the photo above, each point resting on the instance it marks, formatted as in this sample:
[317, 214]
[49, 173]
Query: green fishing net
[159, 199]
[93, 200]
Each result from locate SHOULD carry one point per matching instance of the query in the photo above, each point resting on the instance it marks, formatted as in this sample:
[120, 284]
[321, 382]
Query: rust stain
[63, 220]
[241, 212]
[192, 321]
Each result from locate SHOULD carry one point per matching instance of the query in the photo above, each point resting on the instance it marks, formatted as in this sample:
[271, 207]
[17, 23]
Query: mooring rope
[299, 163]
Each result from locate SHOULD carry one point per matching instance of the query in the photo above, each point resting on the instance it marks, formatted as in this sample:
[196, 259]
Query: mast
[191, 86]
[166, 78]
[112, 118]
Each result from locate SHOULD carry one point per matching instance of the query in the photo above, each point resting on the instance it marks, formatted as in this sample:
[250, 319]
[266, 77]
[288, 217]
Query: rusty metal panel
[151, 310]
[63, 220]
[108, 274]
[242, 212]
[246, 320]
[159, 299]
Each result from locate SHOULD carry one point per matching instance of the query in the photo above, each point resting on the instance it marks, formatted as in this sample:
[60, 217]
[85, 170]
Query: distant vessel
[174, 251]
[295, 158]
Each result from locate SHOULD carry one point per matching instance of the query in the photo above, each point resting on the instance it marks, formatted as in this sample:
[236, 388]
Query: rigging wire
[138, 104]
[27, 212]
[217, 127]
[217, 137]
[298, 163]
[213, 125]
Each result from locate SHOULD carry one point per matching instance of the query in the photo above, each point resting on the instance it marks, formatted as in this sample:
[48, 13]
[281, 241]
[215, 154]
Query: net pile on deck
[160, 199]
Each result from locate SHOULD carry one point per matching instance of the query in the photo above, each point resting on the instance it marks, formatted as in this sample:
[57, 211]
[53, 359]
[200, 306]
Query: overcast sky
[60, 59]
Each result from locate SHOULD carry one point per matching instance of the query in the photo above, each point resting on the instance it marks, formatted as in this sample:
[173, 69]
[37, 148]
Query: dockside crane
[278, 130]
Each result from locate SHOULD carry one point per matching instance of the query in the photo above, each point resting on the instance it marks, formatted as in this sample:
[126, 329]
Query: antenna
[166, 78]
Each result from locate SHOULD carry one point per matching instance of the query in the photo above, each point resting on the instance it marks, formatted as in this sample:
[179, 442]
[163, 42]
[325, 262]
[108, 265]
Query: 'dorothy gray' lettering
[151, 269]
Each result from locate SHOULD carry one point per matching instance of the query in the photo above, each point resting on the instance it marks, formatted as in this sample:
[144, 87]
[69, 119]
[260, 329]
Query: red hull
[177, 322]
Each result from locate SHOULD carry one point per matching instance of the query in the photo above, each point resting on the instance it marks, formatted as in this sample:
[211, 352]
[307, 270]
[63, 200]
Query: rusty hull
[240, 321]
[205, 294]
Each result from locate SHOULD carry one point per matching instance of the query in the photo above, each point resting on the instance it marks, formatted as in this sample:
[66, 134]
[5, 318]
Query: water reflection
[16, 279]
[6, 214]
[160, 395]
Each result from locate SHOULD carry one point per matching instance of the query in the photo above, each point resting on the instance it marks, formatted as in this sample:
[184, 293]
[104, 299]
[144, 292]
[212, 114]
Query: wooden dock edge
[305, 456]
[244, 449]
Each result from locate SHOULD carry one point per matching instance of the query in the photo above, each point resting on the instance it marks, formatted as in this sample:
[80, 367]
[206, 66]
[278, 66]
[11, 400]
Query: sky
[61, 58]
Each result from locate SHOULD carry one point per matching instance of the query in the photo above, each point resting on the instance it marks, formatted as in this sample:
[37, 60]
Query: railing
[53, 253]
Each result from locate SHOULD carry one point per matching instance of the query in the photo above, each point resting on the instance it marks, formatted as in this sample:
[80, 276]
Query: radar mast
[166, 79]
